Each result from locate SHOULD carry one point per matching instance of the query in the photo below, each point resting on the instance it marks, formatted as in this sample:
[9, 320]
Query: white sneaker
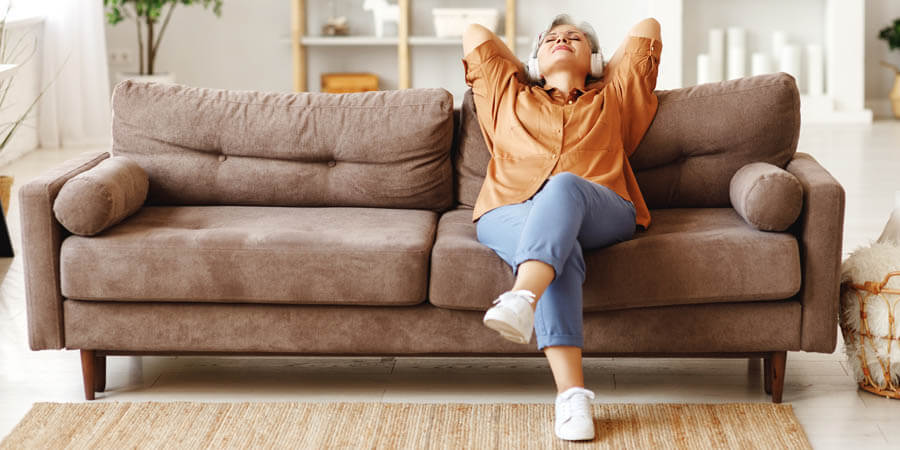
[513, 318]
[574, 418]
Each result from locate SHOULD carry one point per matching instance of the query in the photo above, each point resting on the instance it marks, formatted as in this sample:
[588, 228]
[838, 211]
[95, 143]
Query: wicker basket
[6, 182]
[872, 349]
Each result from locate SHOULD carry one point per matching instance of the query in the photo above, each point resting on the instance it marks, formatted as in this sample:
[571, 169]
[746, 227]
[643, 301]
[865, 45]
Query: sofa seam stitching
[213, 99]
[719, 94]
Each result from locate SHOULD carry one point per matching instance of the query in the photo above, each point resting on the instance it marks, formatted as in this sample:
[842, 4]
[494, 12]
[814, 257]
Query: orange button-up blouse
[533, 133]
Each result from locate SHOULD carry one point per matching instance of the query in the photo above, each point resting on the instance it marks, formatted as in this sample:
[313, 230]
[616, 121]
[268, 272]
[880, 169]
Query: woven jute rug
[318, 425]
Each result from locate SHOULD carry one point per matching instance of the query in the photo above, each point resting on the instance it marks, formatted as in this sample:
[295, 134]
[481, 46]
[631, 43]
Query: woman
[559, 180]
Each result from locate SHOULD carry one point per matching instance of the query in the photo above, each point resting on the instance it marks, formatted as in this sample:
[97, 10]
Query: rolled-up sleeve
[634, 81]
[490, 75]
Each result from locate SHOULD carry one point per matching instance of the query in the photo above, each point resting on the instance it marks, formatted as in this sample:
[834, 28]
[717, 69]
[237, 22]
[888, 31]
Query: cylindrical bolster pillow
[101, 197]
[766, 196]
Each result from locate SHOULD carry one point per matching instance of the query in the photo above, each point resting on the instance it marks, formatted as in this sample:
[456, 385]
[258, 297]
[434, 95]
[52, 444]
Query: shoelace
[528, 295]
[571, 407]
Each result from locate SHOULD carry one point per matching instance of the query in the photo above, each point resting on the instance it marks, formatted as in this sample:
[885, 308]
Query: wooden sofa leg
[767, 374]
[99, 373]
[87, 372]
[776, 374]
[93, 371]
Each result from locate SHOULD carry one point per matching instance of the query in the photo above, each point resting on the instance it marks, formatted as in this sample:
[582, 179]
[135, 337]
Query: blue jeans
[566, 210]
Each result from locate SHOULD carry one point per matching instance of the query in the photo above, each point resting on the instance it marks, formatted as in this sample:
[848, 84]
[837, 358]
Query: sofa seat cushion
[688, 256]
[255, 254]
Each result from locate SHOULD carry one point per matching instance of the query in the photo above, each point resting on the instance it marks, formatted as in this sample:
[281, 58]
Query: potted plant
[146, 15]
[13, 55]
[891, 34]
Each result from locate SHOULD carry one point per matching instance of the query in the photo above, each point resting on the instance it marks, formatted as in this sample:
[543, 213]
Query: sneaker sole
[575, 438]
[507, 331]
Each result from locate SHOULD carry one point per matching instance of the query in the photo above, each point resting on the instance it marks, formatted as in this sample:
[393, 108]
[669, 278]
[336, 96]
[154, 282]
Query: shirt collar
[574, 91]
[573, 94]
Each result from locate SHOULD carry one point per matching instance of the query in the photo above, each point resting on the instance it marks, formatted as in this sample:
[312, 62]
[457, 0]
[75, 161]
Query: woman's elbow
[648, 27]
[474, 35]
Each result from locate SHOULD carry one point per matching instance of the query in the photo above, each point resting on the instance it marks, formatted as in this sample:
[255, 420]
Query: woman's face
[564, 48]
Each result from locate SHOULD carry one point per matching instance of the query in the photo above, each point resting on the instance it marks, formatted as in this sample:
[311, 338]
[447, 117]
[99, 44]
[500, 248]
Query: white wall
[239, 51]
[879, 79]
[802, 20]
[248, 48]
[24, 89]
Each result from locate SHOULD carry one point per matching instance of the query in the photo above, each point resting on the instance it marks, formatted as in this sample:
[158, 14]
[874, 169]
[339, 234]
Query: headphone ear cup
[597, 65]
[534, 72]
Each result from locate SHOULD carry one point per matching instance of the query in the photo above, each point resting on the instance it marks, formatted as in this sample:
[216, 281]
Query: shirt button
[570, 102]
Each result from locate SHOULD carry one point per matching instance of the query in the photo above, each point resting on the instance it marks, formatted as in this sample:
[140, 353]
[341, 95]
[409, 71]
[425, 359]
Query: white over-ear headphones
[597, 63]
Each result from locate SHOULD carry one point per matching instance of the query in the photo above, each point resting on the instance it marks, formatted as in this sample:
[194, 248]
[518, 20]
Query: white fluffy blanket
[872, 263]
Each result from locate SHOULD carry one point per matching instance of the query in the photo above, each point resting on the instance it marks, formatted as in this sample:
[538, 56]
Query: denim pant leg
[500, 229]
[569, 210]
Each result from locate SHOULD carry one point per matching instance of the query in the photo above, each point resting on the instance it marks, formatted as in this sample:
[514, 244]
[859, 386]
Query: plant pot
[895, 96]
[6, 182]
[168, 77]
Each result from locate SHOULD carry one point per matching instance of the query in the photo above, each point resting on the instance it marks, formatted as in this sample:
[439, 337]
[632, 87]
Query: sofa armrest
[42, 238]
[819, 232]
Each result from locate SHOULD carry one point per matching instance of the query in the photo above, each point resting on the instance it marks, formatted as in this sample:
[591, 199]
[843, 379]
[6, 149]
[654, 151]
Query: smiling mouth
[561, 48]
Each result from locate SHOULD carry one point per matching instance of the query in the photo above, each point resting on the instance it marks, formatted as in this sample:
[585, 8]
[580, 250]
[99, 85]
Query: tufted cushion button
[332, 163]
[221, 158]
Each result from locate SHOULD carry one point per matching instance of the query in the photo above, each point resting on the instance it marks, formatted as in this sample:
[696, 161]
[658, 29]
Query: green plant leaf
[891, 34]
[149, 11]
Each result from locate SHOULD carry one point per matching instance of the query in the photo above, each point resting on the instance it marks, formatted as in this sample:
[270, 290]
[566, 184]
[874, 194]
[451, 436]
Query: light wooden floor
[834, 413]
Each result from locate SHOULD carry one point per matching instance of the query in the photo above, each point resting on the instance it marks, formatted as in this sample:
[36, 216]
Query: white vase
[891, 232]
[716, 55]
[168, 77]
[815, 70]
[760, 64]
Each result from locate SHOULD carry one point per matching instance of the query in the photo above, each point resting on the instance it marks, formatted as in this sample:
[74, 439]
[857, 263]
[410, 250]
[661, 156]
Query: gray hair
[565, 19]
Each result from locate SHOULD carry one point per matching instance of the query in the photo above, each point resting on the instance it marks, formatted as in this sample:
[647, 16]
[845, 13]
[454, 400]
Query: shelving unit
[844, 30]
[314, 41]
[300, 41]
[842, 25]
[308, 41]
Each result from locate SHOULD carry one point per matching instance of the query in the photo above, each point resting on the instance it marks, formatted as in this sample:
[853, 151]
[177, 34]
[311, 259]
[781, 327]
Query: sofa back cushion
[701, 135]
[214, 146]
[470, 154]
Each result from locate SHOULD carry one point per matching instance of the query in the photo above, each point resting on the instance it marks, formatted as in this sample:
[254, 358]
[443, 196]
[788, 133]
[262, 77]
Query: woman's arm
[476, 34]
[648, 27]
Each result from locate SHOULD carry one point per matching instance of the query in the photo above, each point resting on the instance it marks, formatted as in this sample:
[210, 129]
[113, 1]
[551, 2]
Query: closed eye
[571, 35]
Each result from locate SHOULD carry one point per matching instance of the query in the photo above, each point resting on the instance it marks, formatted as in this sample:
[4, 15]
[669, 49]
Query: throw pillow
[93, 201]
[766, 196]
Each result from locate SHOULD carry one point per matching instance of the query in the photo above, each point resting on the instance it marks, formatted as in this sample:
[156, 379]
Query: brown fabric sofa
[321, 224]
